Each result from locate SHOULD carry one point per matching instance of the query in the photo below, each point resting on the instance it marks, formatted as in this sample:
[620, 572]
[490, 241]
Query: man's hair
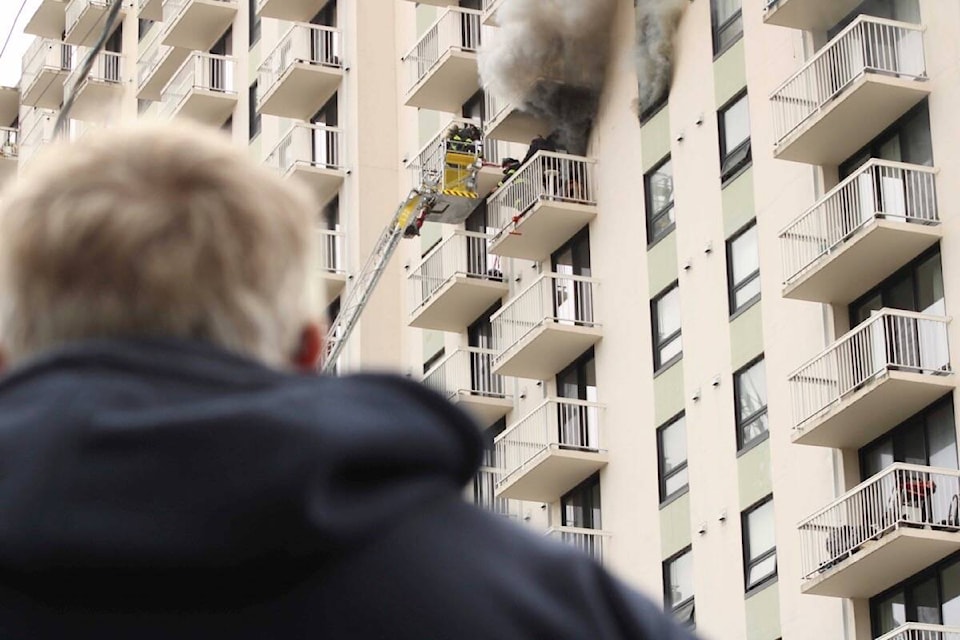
[155, 230]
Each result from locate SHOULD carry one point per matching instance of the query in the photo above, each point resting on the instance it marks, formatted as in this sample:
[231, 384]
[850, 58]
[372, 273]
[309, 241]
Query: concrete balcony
[482, 492]
[856, 86]
[290, 10]
[443, 64]
[150, 10]
[331, 267]
[46, 65]
[157, 64]
[550, 451]
[590, 541]
[49, 19]
[9, 152]
[36, 130]
[203, 89]
[313, 154]
[454, 283]
[876, 376]
[866, 228]
[508, 123]
[920, 631]
[9, 105]
[490, 8]
[545, 327]
[466, 378]
[304, 71]
[881, 532]
[543, 205]
[196, 24]
[85, 20]
[101, 89]
[808, 15]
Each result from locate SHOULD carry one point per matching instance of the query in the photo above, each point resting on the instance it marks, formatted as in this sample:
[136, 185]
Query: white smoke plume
[656, 23]
[549, 58]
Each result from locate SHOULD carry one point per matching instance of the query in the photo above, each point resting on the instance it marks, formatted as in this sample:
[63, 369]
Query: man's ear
[307, 356]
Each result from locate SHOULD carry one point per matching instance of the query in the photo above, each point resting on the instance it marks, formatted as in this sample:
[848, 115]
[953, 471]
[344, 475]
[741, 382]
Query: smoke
[656, 23]
[549, 58]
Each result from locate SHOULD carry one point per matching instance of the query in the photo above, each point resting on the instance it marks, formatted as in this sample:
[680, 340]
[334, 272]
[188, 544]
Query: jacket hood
[161, 453]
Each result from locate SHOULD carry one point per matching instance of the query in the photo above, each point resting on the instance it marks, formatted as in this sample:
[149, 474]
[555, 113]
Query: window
[672, 457]
[254, 22]
[678, 586]
[928, 438]
[759, 543]
[916, 287]
[254, 113]
[573, 298]
[143, 27]
[908, 140]
[750, 390]
[899, 10]
[667, 343]
[658, 186]
[734, 119]
[931, 597]
[727, 24]
[579, 424]
[580, 507]
[743, 268]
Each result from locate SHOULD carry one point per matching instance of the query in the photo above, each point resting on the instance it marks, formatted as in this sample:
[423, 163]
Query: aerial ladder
[447, 193]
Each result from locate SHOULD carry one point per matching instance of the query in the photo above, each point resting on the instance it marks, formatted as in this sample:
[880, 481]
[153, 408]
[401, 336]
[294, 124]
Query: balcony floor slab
[162, 72]
[291, 10]
[324, 181]
[880, 564]
[448, 84]
[542, 229]
[873, 253]
[200, 24]
[46, 90]
[485, 409]
[517, 126]
[872, 410]
[551, 473]
[301, 91]
[809, 15]
[457, 303]
[208, 107]
[546, 350]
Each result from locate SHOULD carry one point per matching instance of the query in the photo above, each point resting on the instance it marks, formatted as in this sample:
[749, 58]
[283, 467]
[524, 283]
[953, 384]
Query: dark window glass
[580, 507]
[254, 113]
[678, 593]
[916, 287]
[579, 424]
[928, 438]
[658, 186]
[667, 342]
[727, 23]
[743, 268]
[750, 389]
[900, 10]
[908, 140]
[734, 119]
[255, 25]
[929, 597]
[672, 453]
[759, 543]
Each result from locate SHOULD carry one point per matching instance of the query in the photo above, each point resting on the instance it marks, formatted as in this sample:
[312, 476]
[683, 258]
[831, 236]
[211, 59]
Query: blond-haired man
[169, 468]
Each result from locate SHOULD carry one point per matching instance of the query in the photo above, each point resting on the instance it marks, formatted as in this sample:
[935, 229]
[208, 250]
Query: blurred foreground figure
[170, 467]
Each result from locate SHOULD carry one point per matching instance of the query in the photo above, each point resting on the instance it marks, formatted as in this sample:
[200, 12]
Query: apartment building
[714, 351]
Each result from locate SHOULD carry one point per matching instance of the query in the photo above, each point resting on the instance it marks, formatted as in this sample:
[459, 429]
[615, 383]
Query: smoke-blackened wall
[656, 23]
[549, 58]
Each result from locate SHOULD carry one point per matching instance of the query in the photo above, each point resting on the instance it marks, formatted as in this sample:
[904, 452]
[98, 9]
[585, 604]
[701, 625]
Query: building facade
[715, 351]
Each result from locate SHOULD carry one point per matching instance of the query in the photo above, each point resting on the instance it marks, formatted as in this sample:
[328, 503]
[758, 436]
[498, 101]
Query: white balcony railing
[45, 54]
[493, 105]
[303, 43]
[903, 495]
[920, 631]
[107, 68]
[892, 339]
[314, 145]
[552, 298]
[547, 176]
[201, 71]
[558, 423]
[589, 541]
[462, 254]
[330, 251]
[9, 142]
[880, 190]
[485, 494]
[867, 45]
[36, 130]
[466, 370]
[152, 52]
[456, 28]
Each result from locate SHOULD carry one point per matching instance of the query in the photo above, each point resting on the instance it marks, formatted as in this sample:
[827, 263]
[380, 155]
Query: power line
[85, 68]
[13, 27]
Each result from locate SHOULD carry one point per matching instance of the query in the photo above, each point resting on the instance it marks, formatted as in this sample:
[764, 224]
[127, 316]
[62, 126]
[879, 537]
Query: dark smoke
[549, 58]
[656, 23]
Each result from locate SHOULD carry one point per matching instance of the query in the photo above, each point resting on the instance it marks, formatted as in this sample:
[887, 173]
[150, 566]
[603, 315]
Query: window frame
[663, 477]
[749, 562]
[674, 608]
[652, 217]
[734, 287]
[717, 28]
[734, 161]
[742, 421]
[658, 364]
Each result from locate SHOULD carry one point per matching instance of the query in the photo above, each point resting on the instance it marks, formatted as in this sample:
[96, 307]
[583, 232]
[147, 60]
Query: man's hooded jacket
[165, 489]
